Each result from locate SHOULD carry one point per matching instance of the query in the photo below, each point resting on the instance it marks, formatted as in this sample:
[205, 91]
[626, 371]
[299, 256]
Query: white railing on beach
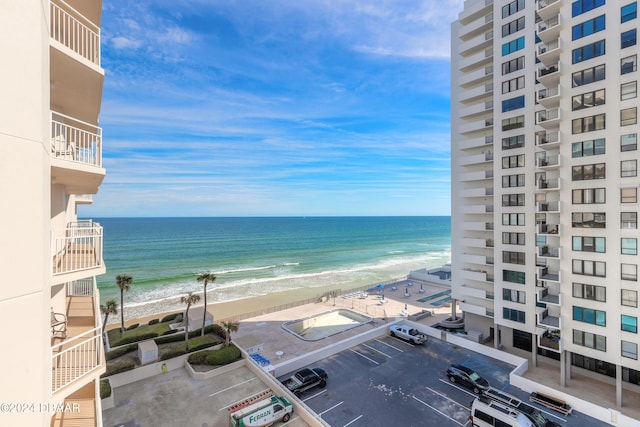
[75, 358]
[71, 29]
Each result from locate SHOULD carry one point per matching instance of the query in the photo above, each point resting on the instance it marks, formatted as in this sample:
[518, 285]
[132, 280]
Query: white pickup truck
[407, 333]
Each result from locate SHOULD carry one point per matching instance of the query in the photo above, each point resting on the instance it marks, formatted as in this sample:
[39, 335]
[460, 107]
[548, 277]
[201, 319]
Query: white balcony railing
[75, 140]
[80, 248]
[76, 357]
[71, 29]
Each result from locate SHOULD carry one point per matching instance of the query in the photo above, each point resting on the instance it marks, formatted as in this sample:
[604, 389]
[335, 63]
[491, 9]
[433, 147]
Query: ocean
[259, 255]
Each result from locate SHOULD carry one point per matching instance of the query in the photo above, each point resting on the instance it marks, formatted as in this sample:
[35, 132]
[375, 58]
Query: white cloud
[125, 43]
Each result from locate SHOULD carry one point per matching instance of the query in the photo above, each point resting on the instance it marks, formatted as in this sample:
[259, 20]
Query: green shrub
[169, 332]
[105, 389]
[224, 356]
[198, 358]
[127, 339]
[174, 336]
[215, 329]
[174, 352]
[170, 317]
[153, 322]
[120, 351]
[131, 327]
[198, 343]
[116, 368]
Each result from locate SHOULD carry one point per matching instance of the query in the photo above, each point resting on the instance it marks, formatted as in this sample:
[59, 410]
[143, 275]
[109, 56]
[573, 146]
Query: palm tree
[191, 298]
[229, 327]
[124, 283]
[109, 307]
[206, 278]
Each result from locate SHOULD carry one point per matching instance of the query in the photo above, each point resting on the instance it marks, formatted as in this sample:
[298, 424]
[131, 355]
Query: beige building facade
[50, 162]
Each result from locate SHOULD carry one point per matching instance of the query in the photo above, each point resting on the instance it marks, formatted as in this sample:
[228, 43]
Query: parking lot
[387, 381]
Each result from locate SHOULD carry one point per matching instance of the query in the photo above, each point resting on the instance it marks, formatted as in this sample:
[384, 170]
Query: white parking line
[375, 349]
[440, 412]
[389, 345]
[353, 421]
[311, 397]
[362, 355]
[448, 398]
[233, 386]
[454, 385]
[402, 341]
[333, 407]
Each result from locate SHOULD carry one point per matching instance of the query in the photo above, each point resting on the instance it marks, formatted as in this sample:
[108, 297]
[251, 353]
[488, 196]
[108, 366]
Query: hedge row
[105, 389]
[223, 356]
[116, 368]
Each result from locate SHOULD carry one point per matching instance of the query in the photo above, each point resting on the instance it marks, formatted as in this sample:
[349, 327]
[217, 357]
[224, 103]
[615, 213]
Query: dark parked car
[467, 377]
[305, 379]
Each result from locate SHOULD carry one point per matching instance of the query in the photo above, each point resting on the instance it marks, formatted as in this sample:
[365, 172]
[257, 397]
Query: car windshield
[538, 419]
[474, 376]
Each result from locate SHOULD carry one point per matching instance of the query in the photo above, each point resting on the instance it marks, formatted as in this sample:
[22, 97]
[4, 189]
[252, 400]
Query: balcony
[544, 207]
[548, 162]
[477, 159]
[479, 59]
[476, 77]
[550, 339]
[548, 119]
[78, 356]
[548, 229]
[549, 76]
[547, 251]
[547, 140]
[475, 21]
[87, 405]
[71, 29]
[477, 94]
[77, 250]
[549, 30]
[547, 296]
[546, 319]
[549, 97]
[548, 274]
[476, 43]
[548, 8]
[549, 54]
[550, 184]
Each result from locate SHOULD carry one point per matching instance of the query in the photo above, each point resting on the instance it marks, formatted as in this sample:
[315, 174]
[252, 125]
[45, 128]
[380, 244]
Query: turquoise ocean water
[257, 256]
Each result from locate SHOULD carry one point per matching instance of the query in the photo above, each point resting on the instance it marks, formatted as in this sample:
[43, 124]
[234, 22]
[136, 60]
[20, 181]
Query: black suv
[467, 377]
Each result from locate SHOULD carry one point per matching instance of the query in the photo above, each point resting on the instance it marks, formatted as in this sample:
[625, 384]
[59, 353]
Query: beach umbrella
[380, 286]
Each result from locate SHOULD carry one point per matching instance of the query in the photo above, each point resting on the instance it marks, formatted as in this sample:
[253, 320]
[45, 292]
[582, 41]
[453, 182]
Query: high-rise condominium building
[50, 162]
[545, 181]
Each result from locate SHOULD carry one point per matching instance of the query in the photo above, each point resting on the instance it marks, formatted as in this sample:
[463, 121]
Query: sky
[275, 108]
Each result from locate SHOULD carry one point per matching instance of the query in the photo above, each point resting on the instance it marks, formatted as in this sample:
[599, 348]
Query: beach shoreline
[257, 305]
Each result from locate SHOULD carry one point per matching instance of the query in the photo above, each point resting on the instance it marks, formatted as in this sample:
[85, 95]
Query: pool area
[325, 324]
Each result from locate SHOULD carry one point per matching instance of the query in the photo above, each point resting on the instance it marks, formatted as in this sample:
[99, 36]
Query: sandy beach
[228, 309]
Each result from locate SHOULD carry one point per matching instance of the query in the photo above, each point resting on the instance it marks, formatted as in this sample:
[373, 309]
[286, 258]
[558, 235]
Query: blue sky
[254, 107]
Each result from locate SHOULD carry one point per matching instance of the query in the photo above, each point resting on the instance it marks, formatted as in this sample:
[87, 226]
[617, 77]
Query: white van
[489, 413]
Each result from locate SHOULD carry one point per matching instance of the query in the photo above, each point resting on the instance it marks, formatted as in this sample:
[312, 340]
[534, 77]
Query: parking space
[387, 381]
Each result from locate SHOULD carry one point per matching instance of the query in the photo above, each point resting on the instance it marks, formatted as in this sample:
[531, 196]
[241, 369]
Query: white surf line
[389, 345]
[353, 421]
[233, 386]
[438, 411]
[327, 410]
[375, 349]
[448, 398]
[362, 355]
[315, 395]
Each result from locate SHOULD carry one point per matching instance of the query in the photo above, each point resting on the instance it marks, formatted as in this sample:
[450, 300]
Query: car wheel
[393, 334]
[286, 418]
[296, 393]
[323, 383]
[412, 341]
[452, 378]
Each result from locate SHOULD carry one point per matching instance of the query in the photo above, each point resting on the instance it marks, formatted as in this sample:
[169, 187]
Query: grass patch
[137, 334]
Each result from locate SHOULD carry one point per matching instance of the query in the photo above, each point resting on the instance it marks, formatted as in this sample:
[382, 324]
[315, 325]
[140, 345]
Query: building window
[514, 296]
[628, 38]
[587, 52]
[628, 64]
[628, 246]
[513, 46]
[513, 276]
[588, 148]
[629, 272]
[589, 268]
[629, 323]
[512, 200]
[513, 238]
[582, 6]
[513, 123]
[513, 27]
[590, 75]
[629, 220]
[629, 298]
[513, 84]
[628, 90]
[588, 196]
[587, 100]
[515, 315]
[629, 195]
[629, 349]
[590, 292]
[513, 7]
[513, 181]
[628, 12]
[588, 124]
[589, 244]
[587, 339]
[513, 65]
[513, 219]
[513, 142]
[589, 315]
[628, 168]
[510, 257]
[628, 142]
[513, 104]
[628, 116]
[587, 28]
[509, 162]
[587, 172]
[588, 220]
